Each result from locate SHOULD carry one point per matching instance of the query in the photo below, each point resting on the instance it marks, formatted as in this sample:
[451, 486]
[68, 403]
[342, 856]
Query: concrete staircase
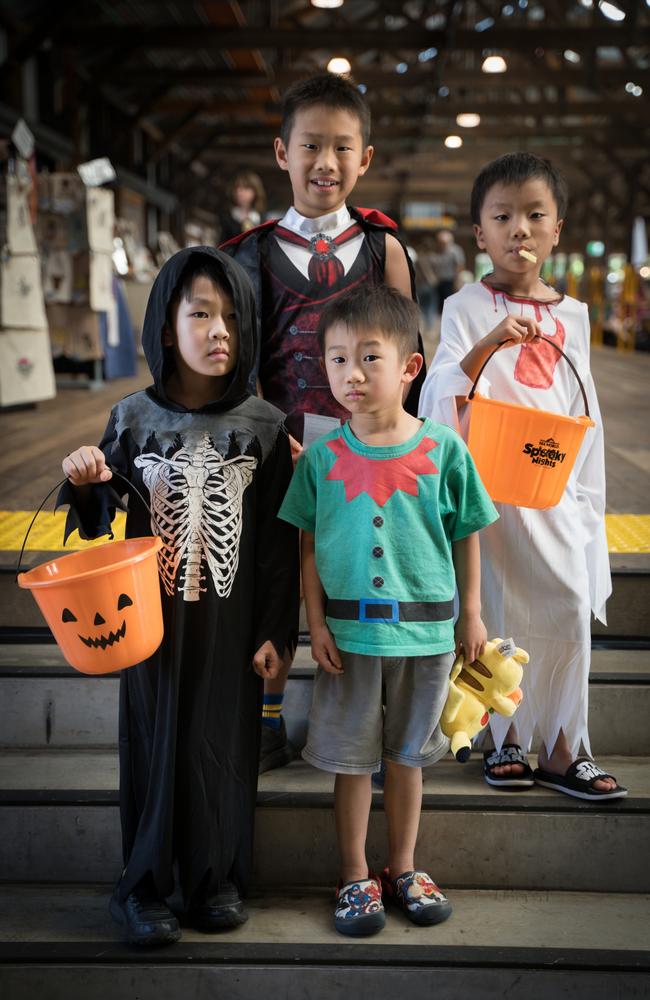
[551, 896]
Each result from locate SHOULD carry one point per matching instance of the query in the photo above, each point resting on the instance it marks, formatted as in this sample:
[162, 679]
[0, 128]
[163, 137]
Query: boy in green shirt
[389, 507]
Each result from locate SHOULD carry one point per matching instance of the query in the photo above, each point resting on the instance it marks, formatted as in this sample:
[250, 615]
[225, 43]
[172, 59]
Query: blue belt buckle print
[386, 602]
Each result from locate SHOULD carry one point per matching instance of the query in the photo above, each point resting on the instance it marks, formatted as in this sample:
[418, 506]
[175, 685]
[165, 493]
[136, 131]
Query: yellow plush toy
[489, 684]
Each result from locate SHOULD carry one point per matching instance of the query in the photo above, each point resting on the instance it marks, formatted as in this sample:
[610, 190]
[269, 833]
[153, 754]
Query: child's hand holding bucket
[86, 465]
[515, 330]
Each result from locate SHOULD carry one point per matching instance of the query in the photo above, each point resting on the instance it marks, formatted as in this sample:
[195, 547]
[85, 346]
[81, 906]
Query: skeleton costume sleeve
[94, 517]
[273, 573]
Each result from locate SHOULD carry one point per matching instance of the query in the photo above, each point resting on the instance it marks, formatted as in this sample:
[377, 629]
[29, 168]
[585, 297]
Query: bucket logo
[546, 453]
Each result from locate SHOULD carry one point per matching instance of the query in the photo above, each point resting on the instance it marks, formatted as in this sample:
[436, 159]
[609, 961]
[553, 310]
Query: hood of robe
[160, 359]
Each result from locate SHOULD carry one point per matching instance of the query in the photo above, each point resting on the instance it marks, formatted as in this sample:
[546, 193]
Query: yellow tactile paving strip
[626, 533]
[47, 533]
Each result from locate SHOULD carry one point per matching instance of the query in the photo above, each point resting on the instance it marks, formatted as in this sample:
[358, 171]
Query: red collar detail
[234, 240]
[376, 217]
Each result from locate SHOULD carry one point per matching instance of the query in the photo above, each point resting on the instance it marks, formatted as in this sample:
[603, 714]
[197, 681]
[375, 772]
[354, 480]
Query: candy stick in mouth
[527, 255]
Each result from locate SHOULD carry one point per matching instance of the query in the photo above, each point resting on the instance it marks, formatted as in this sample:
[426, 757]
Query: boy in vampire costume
[215, 463]
[321, 248]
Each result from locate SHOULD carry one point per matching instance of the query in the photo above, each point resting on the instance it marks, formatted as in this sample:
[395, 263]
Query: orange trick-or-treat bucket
[102, 604]
[524, 456]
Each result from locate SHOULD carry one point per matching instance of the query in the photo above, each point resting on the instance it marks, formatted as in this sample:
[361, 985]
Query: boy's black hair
[374, 307]
[328, 90]
[517, 168]
[198, 267]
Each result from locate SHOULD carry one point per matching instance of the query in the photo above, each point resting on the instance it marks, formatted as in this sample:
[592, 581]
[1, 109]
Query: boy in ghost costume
[543, 571]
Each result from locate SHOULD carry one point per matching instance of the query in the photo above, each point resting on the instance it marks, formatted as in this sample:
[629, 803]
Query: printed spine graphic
[196, 501]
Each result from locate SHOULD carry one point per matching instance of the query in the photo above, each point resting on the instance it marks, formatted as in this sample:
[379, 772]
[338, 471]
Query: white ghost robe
[542, 571]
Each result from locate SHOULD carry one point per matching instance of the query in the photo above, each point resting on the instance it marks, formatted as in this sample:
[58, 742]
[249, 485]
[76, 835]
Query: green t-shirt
[384, 519]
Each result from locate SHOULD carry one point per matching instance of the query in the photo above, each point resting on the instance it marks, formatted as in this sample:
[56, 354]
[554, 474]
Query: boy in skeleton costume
[542, 570]
[316, 252]
[215, 463]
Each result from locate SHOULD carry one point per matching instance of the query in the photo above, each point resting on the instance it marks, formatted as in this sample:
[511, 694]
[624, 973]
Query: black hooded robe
[190, 714]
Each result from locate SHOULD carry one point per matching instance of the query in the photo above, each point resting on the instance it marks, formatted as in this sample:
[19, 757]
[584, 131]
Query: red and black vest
[290, 304]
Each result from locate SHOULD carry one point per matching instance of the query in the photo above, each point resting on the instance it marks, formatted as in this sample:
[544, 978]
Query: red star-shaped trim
[380, 478]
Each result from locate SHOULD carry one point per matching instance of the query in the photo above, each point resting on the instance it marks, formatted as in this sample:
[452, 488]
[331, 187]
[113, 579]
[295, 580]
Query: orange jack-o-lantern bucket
[524, 456]
[102, 604]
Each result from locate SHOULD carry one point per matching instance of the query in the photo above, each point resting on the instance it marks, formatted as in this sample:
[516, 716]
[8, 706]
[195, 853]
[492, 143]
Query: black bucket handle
[570, 363]
[58, 486]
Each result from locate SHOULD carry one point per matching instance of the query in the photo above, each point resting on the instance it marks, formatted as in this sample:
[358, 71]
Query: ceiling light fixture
[611, 10]
[468, 120]
[453, 142]
[571, 56]
[339, 65]
[494, 64]
[327, 4]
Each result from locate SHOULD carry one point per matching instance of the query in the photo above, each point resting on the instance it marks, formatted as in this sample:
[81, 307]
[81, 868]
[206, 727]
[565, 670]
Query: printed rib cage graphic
[196, 501]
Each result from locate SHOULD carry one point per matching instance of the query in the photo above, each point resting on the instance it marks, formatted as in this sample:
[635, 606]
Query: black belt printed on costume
[409, 611]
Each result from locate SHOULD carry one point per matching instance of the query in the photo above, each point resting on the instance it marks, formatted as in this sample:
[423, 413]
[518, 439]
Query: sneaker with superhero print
[418, 896]
[359, 910]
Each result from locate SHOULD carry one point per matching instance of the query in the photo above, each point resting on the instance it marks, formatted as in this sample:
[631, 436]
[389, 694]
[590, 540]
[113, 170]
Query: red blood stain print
[536, 363]
[380, 478]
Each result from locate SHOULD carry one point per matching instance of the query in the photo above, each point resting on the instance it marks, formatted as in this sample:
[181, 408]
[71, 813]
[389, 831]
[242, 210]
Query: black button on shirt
[377, 551]
[378, 521]
[378, 581]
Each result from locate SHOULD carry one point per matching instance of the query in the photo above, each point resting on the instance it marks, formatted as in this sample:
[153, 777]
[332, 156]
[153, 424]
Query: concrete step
[43, 702]
[627, 609]
[57, 941]
[472, 836]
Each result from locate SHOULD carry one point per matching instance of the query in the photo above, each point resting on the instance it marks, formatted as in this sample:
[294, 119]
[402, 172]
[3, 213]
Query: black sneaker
[219, 910]
[275, 749]
[148, 921]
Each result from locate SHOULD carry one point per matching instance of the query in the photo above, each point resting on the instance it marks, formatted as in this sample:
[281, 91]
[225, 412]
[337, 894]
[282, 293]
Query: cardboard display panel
[21, 292]
[57, 276]
[74, 332]
[101, 282]
[20, 236]
[26, 373]
[100, 219]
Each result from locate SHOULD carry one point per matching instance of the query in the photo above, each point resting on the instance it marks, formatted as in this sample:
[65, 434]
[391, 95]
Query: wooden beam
[508, 39]
[439, 110]
[171, 138]
[374, 79]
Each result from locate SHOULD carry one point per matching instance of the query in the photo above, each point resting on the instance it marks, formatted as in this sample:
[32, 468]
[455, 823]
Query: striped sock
[271, 708]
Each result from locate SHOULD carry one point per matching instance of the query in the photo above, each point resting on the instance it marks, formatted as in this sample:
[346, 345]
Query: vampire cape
[189, 716]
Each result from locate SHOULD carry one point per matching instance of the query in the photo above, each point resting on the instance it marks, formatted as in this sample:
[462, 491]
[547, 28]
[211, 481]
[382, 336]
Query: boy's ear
[321, 362]
[558, 230]
[280, 154]
[365, 159]
[412, 367]
[167, 337]
[480, 239]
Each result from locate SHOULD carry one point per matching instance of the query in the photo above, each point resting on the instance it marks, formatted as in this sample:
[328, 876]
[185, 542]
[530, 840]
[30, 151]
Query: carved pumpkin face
[97, 641]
